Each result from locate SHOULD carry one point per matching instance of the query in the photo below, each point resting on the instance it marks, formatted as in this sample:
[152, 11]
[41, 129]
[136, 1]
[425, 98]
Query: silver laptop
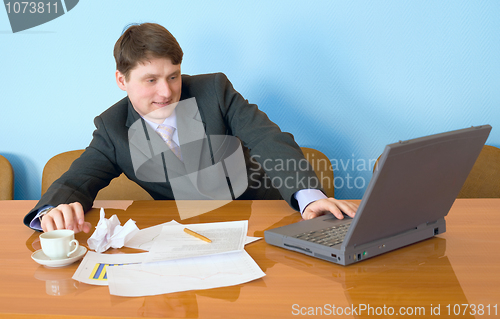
[411, 191]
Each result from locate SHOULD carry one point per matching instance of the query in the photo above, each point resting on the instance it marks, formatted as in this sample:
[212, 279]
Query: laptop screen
[416, 182]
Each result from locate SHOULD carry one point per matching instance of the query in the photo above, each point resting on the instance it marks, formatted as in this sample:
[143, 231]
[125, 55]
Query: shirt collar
[171, 121]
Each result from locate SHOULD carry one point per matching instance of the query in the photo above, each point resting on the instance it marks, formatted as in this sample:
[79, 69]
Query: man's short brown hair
[142, 42]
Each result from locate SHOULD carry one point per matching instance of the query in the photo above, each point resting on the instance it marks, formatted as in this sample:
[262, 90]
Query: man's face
[153, 87]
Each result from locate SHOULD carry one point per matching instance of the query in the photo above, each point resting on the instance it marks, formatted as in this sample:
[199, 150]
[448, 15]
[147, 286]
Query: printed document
[174, 243]
[176, 261]
[203, 272]
[145, 237]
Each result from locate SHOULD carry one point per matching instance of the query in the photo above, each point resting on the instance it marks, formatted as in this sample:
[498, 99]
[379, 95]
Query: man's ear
[120, 80]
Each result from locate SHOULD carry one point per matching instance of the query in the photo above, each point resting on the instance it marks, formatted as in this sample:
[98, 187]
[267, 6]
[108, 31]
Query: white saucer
[42, 259]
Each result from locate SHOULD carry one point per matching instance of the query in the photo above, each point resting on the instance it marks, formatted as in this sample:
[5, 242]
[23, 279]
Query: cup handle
[77, 244]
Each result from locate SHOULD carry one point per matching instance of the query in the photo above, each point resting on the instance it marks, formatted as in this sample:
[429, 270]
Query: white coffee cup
[57, 244]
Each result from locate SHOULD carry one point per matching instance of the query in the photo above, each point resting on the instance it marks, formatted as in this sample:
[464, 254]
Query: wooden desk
[458, 267]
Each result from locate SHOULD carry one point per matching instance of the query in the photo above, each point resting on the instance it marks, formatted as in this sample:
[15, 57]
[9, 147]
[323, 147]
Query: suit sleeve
[88, 174]
[276, 151]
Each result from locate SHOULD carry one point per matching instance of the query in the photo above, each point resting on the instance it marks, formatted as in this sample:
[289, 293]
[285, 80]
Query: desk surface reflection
[458, 267]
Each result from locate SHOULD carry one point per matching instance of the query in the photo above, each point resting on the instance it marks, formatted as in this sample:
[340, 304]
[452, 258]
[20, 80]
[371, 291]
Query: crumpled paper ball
[109, 233]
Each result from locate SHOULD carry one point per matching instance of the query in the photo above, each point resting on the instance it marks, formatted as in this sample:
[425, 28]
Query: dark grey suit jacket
[222, 111]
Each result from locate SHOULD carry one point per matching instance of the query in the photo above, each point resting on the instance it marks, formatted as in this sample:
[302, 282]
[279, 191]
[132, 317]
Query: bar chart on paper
[93, 269]
[99, 272]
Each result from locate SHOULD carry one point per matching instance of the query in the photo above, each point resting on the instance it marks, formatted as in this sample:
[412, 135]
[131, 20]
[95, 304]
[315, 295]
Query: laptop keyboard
[330, 236]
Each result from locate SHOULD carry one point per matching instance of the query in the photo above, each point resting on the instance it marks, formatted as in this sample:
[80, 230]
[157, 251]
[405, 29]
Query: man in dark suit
[163, 136]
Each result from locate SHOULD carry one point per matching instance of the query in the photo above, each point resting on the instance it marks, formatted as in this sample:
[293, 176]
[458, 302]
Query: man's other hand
[330, 205]
[66, 216]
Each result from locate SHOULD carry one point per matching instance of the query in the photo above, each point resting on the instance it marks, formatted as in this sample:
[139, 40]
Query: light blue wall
[345, 77]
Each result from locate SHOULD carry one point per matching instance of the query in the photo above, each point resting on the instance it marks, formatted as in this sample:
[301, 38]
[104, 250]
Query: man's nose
[164, 89]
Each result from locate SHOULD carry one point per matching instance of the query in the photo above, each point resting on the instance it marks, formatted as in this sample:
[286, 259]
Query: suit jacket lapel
[192, 137]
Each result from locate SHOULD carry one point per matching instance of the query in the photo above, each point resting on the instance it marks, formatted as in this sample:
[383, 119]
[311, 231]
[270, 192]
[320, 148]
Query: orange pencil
[192, 233]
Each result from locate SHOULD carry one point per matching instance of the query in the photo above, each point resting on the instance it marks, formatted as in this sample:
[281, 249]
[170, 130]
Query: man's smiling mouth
[162, 103]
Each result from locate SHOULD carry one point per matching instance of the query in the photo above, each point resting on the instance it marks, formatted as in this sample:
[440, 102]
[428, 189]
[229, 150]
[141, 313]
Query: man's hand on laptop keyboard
[329, 205]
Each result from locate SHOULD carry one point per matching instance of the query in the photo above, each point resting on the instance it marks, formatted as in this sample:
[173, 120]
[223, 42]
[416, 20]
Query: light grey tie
[166, 132]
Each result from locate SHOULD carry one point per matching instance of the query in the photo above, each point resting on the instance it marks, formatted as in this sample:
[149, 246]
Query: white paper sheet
[127, 275]
[174, 243]
[144, 238]
[250, 239]
[92, 269]
[183, 274]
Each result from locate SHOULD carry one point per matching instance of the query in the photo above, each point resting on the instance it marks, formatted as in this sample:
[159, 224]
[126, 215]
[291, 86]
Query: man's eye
[150, 80]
